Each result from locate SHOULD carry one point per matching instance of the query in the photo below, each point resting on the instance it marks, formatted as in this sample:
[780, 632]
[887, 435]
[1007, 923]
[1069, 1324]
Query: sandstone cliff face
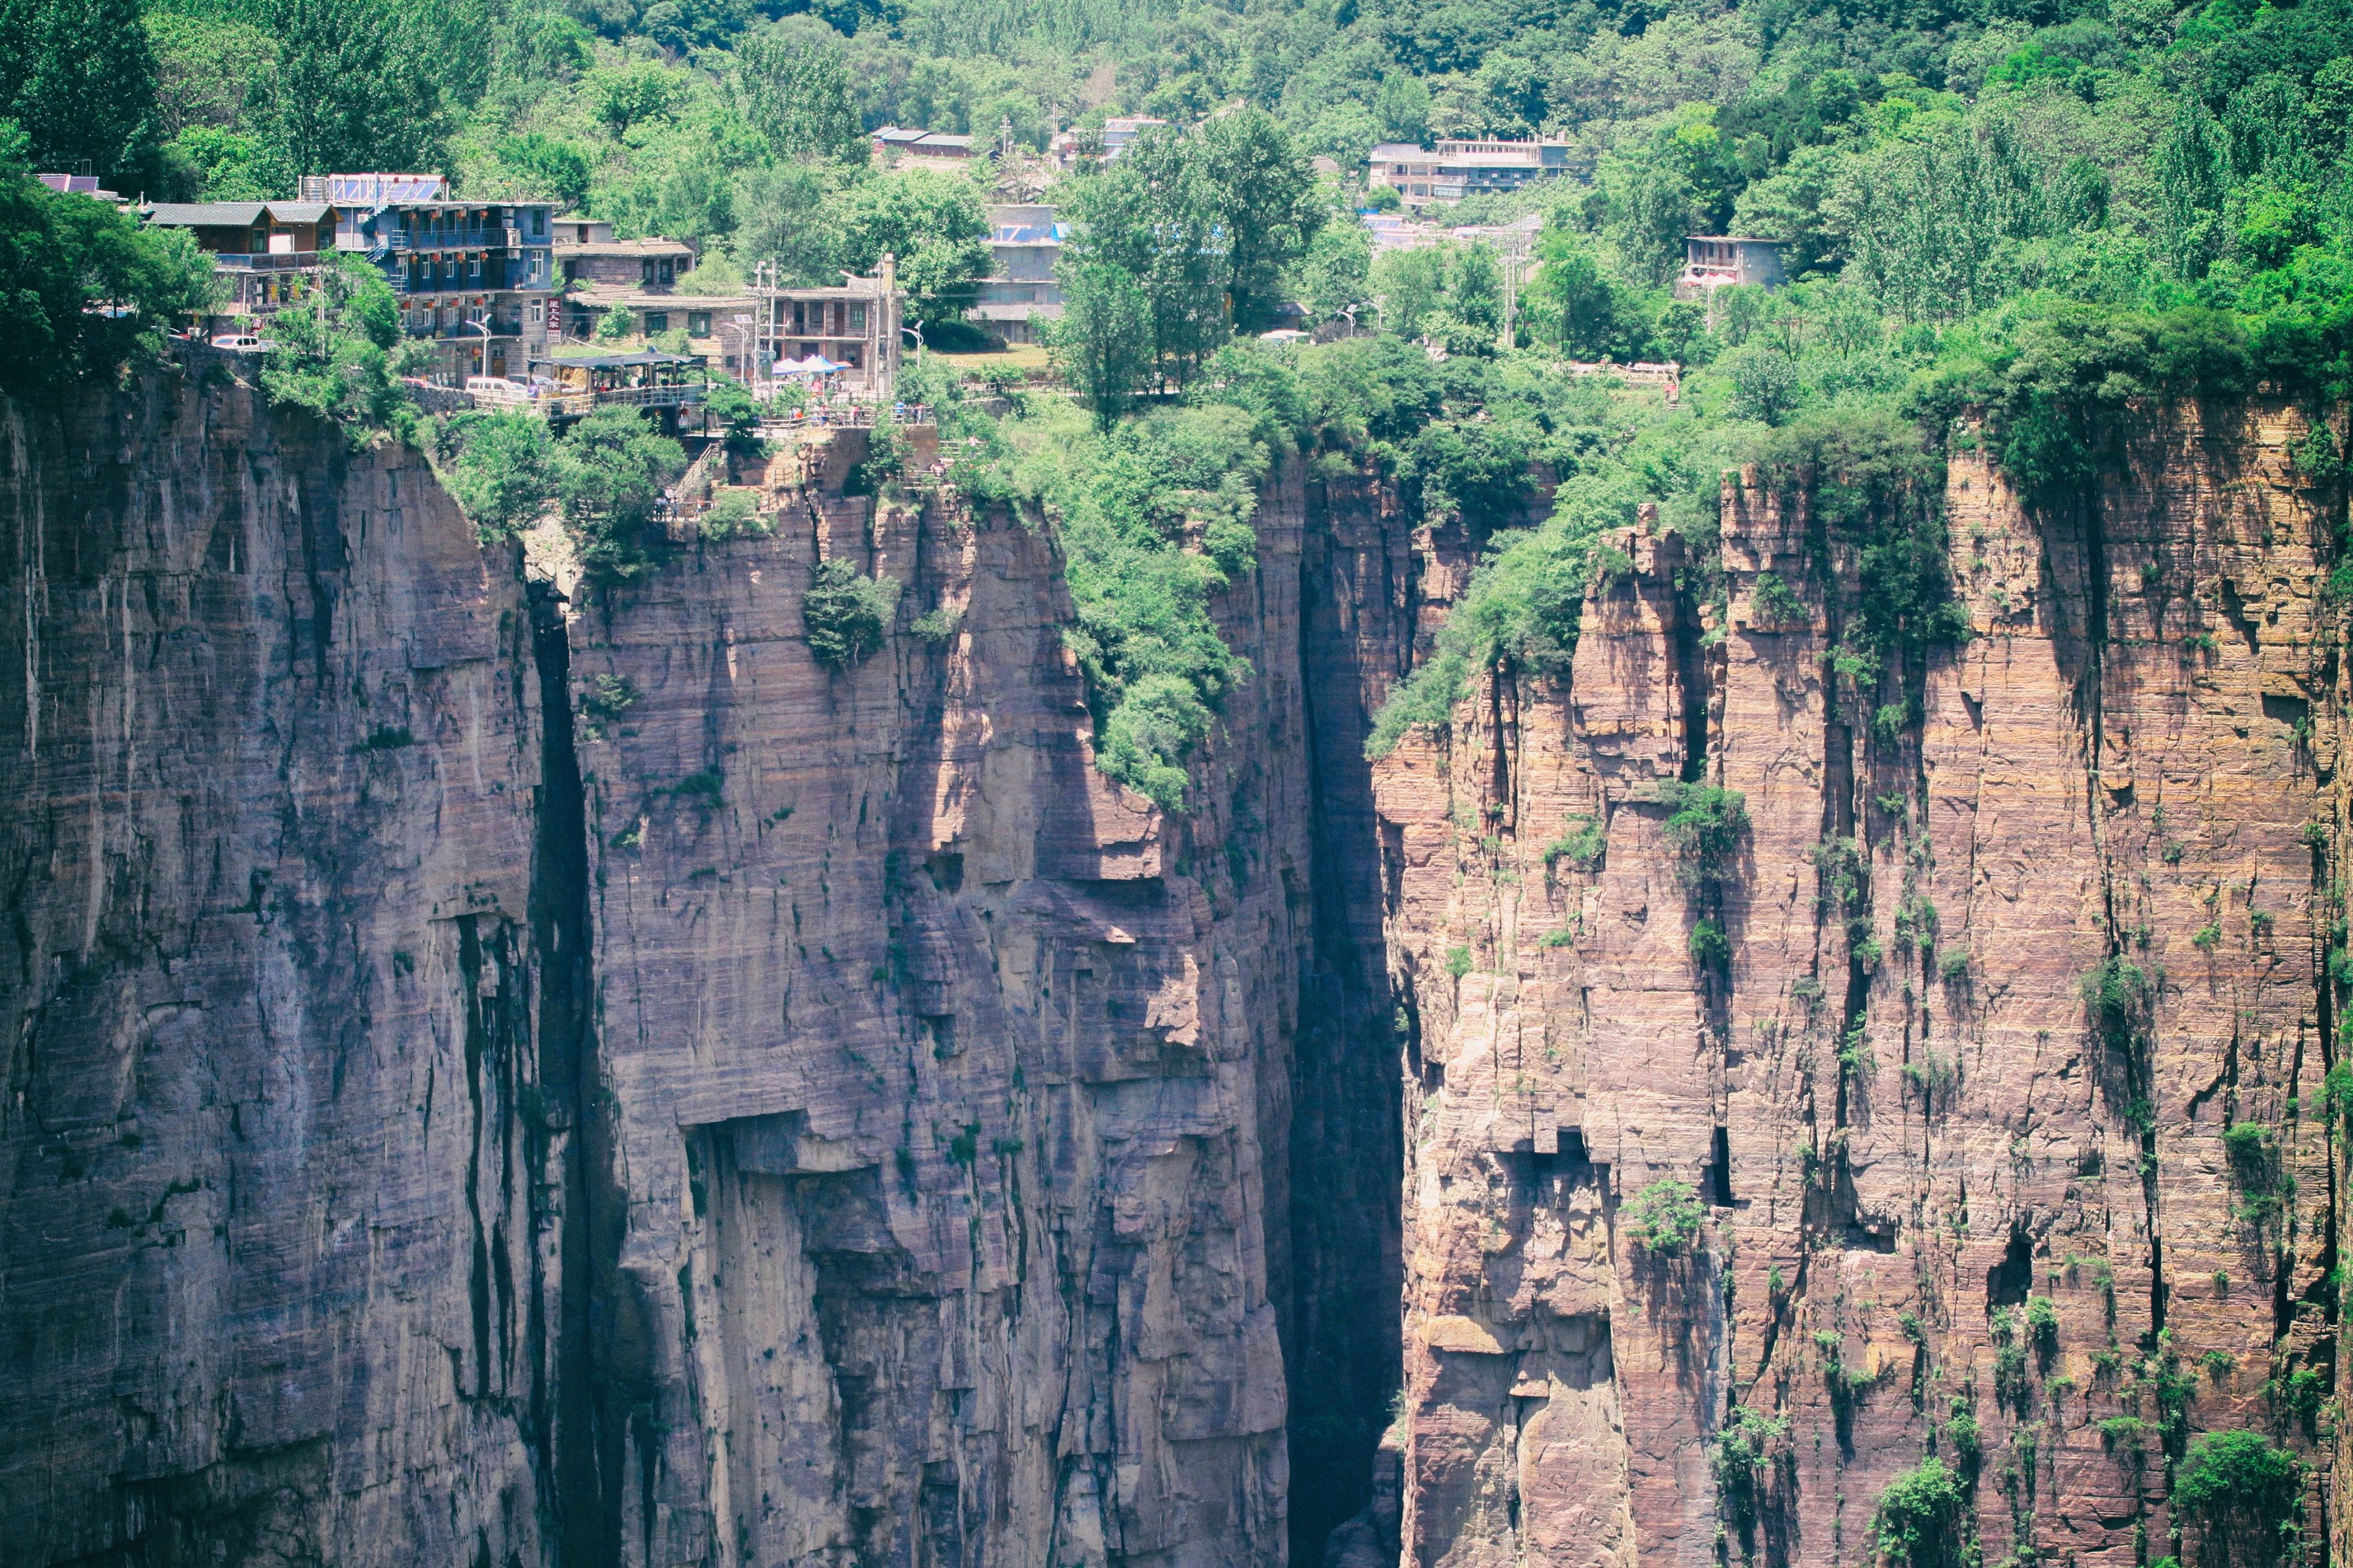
[275, 1281]
[1889, 1090]
[519, 1085]
[951, 1081]
[500, 1081]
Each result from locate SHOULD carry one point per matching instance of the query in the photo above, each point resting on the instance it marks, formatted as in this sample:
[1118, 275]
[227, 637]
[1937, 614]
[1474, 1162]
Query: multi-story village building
[639, 277]
[474, 278]
[1459, 168]
[1020, 295]
[265, 253]
[856, 326]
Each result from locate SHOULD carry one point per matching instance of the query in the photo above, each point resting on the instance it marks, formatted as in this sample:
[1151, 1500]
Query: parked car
[499, 387]
[243, 342]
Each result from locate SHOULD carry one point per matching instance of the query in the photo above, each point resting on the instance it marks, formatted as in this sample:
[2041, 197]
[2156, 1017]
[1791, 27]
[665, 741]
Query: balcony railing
[467, 330]
[572, 405]
[457, 239]
[260, 261]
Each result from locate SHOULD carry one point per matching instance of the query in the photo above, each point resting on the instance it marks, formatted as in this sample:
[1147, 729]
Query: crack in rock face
[516, 1078]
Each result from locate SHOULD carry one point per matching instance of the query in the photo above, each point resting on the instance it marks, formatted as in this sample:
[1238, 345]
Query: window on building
[535, 317]
[656, 320]
[858, 318]
[538, 220]
[698, 323]
[474, 267]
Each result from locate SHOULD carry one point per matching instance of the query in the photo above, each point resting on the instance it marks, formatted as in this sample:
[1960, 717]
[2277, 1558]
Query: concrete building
[1714, 261]
[474, 278]
[265, 253]
[856, 326]
[1065, 148]
[1020, 295]
[1458, 168]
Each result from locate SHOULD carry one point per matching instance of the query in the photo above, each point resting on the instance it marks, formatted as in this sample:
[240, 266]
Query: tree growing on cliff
[498, 470]
[610, 469]
[83, 287]
[845, 614]
[1664, 1217]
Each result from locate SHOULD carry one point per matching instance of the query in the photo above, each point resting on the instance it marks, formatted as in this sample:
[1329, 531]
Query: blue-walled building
[477, 279]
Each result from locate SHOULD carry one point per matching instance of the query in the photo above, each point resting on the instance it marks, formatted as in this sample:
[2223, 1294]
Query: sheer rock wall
[952, 1080]
[2125, 765]
[505, 1082]
[274, 1280]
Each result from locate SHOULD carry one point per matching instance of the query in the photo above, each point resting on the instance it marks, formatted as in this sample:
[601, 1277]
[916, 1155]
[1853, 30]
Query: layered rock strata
[277, 1278]
[1944, 1051]
[951, 1080]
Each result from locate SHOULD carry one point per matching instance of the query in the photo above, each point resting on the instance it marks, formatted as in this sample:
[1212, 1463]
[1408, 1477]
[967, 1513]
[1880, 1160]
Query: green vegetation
[846, 615]
[1704, 823]
[1155, 516]
[2244, 1494]
[1458, 962]
[1921, 1520]
[83, 288]
[1664, 1217]
[1742, 1458]
[1582, 848]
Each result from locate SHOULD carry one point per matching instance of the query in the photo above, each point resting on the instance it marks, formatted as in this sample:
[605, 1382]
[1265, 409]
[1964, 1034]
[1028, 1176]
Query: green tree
[83, 287]
[548, 166]
[1335, 276]
[1766, 385]
[499, 472]
[1103, 344]
[637, 93]
[1264, 209]
[334, 353]
[795, 92]
[80, 77]
[610, 469]
[784, 215]
[354, 88]
[933, 221]
[1149, 217]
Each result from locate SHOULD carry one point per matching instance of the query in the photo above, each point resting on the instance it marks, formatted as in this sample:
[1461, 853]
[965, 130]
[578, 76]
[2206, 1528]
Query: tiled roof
[207, 214]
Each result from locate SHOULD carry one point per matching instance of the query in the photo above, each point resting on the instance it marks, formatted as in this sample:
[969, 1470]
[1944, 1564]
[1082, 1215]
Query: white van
[499, 389]
[243, 342]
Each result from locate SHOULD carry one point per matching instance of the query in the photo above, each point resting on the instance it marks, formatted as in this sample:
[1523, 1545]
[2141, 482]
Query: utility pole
[1516, 260]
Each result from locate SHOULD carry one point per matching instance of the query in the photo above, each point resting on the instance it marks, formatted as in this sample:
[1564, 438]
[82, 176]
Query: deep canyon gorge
[508, 1081]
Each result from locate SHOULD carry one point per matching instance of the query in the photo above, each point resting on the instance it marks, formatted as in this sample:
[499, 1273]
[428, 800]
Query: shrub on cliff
[1521, 611]
[1156, 516]
[1921, 1518]
[1704, 823]
[1664, 1217]
[846, 613]
[2244, 1494]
